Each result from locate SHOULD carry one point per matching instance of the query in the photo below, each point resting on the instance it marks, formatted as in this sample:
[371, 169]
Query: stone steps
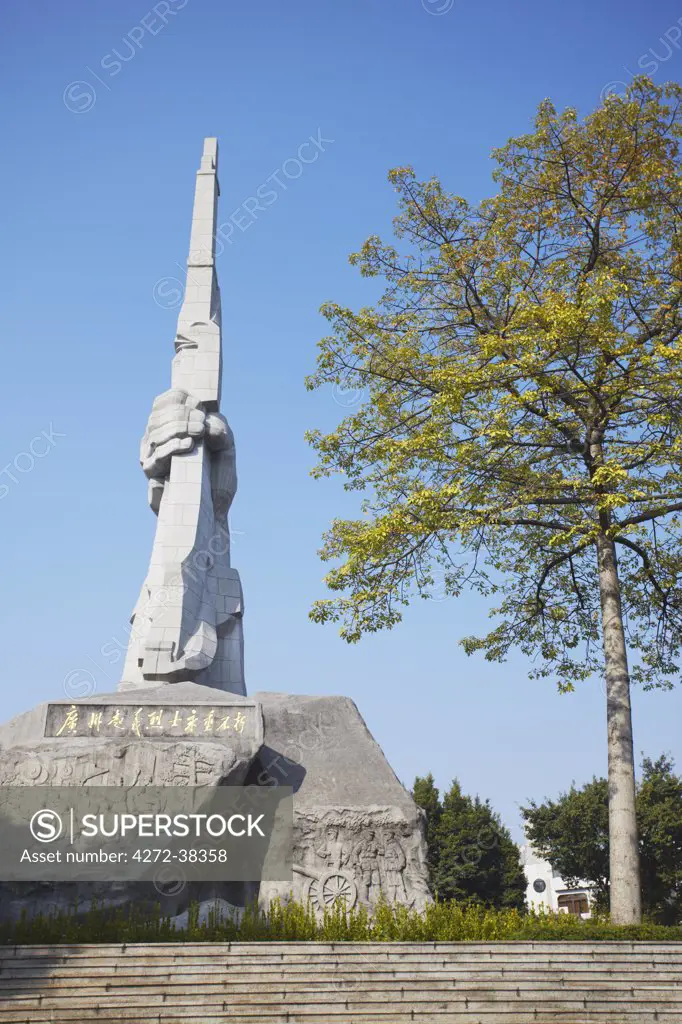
[211, 984]
[342, 983]
[382, 952]
[390, 1014]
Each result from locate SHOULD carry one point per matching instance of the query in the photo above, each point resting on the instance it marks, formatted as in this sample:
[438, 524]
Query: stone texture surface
[30, 758]
[357, 831]
[344, 982]
[31, 727]
[187, 623]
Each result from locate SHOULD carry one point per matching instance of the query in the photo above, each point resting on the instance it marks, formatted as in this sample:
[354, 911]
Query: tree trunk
[625, 890]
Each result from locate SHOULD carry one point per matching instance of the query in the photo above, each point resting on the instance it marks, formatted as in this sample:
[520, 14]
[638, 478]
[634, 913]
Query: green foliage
[573, 833]
[659, 817]
[523, 374]
[426, 796]
[295, 922]
[471, 855]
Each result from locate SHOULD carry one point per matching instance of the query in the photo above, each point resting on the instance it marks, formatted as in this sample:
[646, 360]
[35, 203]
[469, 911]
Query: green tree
[471, 855]
[659, 812]
[572, 833]
[427, 796]
[521, 432]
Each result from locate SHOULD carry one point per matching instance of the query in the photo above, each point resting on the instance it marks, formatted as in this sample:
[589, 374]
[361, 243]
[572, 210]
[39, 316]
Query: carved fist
[177, 420]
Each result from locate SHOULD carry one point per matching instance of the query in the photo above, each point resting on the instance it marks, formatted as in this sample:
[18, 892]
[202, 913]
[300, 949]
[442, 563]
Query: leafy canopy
[427, 796]
[471, 855]
[573, 834]
[523, 385]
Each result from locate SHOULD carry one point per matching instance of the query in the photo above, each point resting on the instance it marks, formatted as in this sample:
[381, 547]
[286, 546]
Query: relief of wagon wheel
[331, 888]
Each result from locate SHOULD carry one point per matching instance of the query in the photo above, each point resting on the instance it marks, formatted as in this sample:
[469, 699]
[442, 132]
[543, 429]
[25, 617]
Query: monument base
[358, 835]
[179, 734]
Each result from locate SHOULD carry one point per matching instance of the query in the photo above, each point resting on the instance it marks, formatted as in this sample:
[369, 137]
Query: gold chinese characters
[128, 720]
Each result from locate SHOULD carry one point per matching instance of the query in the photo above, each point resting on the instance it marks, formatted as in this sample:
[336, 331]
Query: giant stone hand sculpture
[187, 623]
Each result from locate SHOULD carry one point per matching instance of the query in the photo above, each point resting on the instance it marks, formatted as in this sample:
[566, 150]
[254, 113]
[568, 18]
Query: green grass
[296, 922]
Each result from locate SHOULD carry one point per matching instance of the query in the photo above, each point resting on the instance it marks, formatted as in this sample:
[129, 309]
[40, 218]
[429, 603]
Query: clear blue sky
[97, 180]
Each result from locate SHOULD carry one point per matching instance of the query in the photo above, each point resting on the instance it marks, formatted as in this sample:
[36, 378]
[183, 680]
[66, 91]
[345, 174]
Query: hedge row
[296, 922]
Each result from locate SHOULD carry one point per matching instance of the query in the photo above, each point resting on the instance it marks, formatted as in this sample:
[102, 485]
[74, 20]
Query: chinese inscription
[148, 721]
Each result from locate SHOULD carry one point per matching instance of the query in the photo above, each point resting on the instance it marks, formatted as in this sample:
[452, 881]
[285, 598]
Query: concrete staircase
[343, 983]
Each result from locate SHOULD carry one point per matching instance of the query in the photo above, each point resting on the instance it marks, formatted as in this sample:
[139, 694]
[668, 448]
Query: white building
[547, 889]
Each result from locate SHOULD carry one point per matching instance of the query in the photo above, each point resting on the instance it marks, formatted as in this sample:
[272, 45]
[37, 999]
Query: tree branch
[655, 513]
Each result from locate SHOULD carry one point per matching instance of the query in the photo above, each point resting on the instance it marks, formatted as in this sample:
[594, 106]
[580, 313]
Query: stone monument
[181, 716]
[187, 624]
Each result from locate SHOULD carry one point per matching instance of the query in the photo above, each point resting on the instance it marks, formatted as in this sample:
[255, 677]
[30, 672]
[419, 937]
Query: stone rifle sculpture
[187, 623]
[181, 716]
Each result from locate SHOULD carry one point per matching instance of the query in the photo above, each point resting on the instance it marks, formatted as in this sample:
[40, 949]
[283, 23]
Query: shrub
[297, 922]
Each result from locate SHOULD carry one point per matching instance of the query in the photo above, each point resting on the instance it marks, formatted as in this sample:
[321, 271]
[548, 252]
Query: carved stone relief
[116, 764]
[356, 855]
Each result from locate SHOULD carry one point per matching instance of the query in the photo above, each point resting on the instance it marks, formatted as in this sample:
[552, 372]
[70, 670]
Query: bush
[297, 922]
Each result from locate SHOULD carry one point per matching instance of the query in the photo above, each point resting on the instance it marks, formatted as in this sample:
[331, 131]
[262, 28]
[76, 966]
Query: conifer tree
[472, 857]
